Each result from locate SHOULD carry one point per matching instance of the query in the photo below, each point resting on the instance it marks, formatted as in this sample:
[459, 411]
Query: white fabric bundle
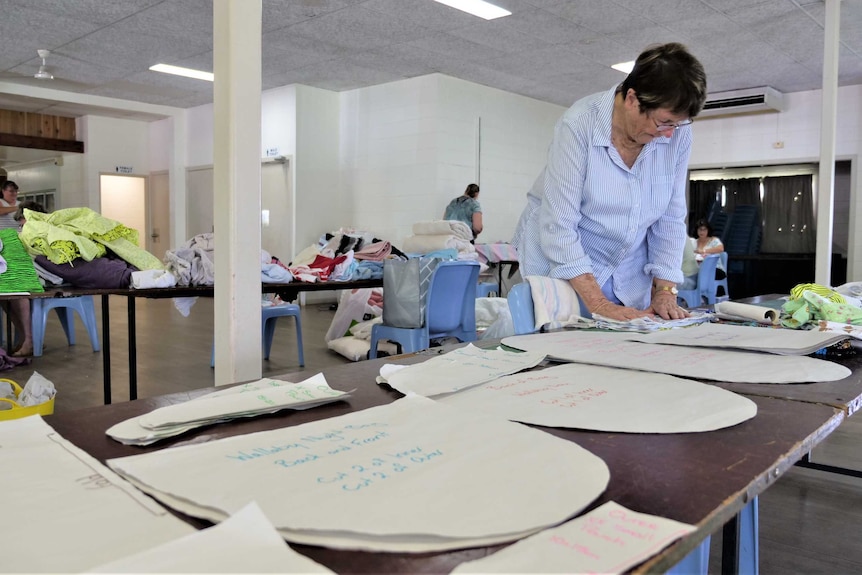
[443, 227]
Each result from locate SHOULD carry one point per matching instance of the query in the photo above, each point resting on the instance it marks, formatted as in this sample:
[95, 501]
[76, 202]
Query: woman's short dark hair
[472, 190]
[703, 224]
[668, 76]
[31, 205]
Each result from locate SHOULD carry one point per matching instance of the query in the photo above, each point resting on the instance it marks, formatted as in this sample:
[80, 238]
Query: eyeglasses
[665, 126]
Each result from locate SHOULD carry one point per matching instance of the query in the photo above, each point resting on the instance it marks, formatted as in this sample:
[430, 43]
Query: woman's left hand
[664, 305]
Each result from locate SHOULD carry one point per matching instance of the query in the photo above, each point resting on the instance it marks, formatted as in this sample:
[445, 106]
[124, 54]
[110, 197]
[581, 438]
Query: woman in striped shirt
[608, 211]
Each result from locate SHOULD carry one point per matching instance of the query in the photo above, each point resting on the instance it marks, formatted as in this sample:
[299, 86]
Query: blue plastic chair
[521, 307]
[450, 310]
[707, 285]
[64, 306]
[269, 315]
[723, 282]
[484, 289]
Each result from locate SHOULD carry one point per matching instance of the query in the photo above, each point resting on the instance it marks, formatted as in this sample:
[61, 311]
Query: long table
[704, 479]
[287, 292]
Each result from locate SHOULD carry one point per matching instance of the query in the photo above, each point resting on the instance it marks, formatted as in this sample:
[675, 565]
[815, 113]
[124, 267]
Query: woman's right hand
[618, 312]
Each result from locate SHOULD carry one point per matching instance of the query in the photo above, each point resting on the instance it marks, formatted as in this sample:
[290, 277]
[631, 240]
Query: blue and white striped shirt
[590, 213]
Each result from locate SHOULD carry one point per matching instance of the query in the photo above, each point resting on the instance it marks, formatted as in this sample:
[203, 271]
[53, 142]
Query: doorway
[276, 202]
[124, 199]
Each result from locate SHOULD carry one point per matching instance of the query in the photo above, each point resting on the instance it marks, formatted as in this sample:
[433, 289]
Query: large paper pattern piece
[607, 399]
[63, 511]
[609, 539]
[613, 350]
[247, 400]
[459, 369]
[414, 475]
[778, 341]
[246, 542]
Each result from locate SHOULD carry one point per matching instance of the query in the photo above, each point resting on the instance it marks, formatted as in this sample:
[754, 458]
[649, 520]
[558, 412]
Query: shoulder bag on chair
[405, 285]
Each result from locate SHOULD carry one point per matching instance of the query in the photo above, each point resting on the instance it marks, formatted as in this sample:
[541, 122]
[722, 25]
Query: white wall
[409, 147]
[278, 125]
[749, 140]
[108, 142]
[36, 177]
[199, 121]
[160, 138]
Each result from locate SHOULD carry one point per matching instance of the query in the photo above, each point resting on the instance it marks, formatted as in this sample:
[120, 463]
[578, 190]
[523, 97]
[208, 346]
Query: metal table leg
[133, 352]
[106, 348]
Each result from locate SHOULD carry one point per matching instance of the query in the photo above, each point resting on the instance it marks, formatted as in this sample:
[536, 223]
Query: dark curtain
[704, 197]
[788, 215]
[741, 192]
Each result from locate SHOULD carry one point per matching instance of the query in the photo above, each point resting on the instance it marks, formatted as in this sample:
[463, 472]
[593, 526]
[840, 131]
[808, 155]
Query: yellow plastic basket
[46, 408]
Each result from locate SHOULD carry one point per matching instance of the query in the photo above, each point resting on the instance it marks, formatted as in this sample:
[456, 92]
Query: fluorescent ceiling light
[187, 72]
[624, 67]
[478, 8]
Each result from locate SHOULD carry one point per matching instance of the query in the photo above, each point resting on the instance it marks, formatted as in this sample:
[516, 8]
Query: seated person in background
[689, 265]
[707, 244]
[19, 309]
[466, 208]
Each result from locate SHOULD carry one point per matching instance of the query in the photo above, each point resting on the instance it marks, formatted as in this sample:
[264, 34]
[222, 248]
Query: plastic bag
[405, 286]
[354, 306]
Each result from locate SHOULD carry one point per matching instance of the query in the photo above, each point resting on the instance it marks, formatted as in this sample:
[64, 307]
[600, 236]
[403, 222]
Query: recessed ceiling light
[179, 71]
[624, 67]
[478, 8]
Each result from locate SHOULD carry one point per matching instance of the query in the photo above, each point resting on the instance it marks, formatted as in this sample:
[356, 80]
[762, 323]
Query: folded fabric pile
[68, 234]
[344, 255]
[440, 235]
[193, 263]
[20, 275]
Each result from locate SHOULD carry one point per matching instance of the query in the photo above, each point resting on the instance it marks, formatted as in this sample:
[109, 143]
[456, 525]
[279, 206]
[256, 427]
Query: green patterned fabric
[63, 235]
[20, 275]
[812, 307]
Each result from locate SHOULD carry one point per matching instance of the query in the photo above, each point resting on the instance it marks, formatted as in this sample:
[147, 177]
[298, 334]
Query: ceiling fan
[43, 73]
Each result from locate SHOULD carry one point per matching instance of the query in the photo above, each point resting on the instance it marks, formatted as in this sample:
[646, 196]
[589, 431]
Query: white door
[159, 238]
[124, 199]
[199, 201]
[277, 210]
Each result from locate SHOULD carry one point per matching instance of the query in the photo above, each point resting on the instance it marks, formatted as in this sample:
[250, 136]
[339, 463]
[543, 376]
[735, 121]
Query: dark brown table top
[698, 478]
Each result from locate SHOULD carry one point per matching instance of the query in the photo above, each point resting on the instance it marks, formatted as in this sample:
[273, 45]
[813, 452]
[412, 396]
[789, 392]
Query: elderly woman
[607, 213]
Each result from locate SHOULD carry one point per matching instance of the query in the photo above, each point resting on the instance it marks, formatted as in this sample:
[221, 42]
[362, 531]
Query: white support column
[236, 173]
[177, 180]
[828, 120]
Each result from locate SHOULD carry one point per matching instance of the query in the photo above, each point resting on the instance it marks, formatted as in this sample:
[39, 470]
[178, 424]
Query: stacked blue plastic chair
[484, 289]
[706, 284]
[64, 306]
[450, 310]
[269, 315]
[520, 299]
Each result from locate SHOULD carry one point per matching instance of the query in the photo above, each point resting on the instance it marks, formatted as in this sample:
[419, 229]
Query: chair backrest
[521, 307]
[706, 284]
[451, 303]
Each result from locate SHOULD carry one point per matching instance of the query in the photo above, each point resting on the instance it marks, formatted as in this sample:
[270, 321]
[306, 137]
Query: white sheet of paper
[611, 349]
[461, 368]
[747, 311]
[64, 511]
[246, 542]
[225, 405]
[609, 539]
[607, 399]
[778, 341]
[412, 467]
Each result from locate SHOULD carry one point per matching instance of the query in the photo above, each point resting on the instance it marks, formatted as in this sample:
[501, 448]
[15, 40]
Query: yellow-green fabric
[812, 307]
[20, 275]
[80, 232]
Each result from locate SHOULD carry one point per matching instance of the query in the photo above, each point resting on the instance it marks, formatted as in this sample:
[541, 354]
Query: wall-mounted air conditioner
[749, 101]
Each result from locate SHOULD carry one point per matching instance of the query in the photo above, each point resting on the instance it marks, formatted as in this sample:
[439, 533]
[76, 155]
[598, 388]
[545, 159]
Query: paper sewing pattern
[607, 399]
[609, 539]
[613, 350]
[246, 542]
[65, 512]
[247, 400]
[777, 341]
[461, 368]
[416, 475]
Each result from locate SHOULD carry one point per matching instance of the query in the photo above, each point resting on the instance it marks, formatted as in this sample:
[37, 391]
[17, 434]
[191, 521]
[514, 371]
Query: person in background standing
[607, 214]
[8, 204]
[466, 208]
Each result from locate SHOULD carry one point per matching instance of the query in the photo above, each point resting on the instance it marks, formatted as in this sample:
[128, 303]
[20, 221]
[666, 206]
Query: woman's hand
[618, 312]
[664, 305]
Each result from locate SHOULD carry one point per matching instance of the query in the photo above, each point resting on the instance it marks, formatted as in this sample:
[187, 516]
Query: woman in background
[466, 208]
[707, 244]
[8, 204]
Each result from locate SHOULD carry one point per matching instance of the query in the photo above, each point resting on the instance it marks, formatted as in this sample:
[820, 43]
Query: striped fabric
[822, 291]
[589, 213]
[555, 303]
[20, 275]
